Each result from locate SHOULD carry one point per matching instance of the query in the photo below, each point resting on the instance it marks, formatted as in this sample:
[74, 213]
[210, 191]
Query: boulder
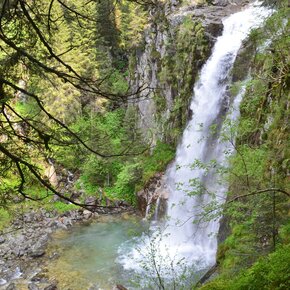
[87, 214]
[91, 200]
[67, 221]
[36, 253]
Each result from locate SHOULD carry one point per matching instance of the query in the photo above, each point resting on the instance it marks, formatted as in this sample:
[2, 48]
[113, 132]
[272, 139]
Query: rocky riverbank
[23, 246]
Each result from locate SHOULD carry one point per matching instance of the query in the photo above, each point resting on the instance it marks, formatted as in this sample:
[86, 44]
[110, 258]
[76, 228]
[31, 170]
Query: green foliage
[124, 187]
[250, 163]
[61, 207]
[131, 21]
[285, 233]
[119, 84]
[5, 218]
[157, 161]
[259, 223]
[271, 272]
[94, 173]
[161, 270]
[92, 40]
[137, 172]
[121, 176]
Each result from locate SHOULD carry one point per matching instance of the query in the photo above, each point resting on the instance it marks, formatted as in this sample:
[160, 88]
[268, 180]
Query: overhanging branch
[259, 192]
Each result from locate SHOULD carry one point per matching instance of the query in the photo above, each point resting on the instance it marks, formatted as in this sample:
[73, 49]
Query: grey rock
[32, 286]
[52, 224]
[220, 2]
[54, 255]
[2, 281]
[67, 221]
[11, 286]
[29, 217]
[87, 214]
[60, 225]
[2, 240]
[39, 278]
[36, 253]
[91, 200]
[51, 287]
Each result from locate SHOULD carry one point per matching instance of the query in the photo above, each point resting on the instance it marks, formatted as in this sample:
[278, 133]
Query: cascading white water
[196, 243]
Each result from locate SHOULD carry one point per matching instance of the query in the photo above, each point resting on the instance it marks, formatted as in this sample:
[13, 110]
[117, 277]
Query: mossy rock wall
[174, 51]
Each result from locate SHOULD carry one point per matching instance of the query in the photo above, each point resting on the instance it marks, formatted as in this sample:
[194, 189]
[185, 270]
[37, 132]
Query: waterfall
[192, 182]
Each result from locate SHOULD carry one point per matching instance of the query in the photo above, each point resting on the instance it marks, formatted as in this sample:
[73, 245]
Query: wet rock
[39, 278]
[142, 201]
[54, 256]
[52, 223]
[153, 190]
[60, 225]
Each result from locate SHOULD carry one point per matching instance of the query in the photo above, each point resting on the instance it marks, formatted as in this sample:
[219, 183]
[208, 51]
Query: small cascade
[148, 207]
[191, 179]
[157, 209]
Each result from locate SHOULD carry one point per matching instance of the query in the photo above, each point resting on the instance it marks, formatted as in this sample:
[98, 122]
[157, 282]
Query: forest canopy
[63, 79]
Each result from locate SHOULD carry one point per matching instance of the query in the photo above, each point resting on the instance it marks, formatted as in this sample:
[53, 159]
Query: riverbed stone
[91, 200]
[52, 286]
[119, 287]
[11, 286]
[36, 253]
[2, 240]
[32, 286]
[23, 248]
[87, 214]
[67, 221]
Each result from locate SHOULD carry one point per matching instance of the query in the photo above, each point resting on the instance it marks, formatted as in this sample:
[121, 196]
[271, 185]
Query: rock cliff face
[176, 44]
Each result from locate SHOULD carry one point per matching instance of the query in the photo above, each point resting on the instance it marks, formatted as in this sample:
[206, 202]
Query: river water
[88, 253]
